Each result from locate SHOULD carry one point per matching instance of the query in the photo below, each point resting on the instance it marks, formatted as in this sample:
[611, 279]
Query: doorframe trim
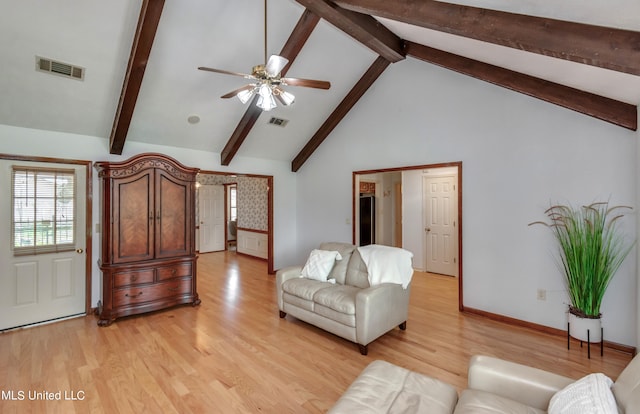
[457, 164]
[88, 213]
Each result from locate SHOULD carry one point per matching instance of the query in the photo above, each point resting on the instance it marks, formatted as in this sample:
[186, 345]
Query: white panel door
[46, 286]
[440, 215]
[211, 215]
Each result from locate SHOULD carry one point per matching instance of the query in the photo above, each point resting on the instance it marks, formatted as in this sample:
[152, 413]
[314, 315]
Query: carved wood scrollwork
[135, 165]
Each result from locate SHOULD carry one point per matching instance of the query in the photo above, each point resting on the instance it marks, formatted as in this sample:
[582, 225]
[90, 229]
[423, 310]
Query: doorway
[253, 209]
[410, 223]
[46, 261]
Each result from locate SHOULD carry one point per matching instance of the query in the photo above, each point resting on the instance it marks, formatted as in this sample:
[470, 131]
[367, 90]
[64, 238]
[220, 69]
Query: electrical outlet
[542, 294]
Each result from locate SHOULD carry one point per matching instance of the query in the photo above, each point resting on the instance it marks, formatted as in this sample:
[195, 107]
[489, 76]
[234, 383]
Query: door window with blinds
[43, 210]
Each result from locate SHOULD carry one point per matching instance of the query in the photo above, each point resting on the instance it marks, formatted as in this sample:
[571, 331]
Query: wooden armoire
[147, 256]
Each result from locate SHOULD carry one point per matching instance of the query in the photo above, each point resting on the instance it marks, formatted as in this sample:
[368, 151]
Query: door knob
[79, 251]
[427, 229]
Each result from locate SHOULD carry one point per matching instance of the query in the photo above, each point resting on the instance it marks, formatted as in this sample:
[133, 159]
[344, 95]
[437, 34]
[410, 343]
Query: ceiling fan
[266, 81]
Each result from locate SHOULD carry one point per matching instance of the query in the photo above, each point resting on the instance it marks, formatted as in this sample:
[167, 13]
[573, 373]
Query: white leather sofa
[350, 307]
[494, 386]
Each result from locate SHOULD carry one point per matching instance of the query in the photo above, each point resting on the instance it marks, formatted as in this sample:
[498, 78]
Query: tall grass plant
[592, 248]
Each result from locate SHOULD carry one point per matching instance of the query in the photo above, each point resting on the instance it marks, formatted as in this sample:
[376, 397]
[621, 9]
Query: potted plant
[592, 249]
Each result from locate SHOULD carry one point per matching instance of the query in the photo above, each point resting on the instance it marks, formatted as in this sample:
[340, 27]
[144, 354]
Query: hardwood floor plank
[233, 354]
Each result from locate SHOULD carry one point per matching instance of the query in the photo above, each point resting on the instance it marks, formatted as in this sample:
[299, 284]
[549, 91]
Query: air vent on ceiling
[59, 68]
[278, 121]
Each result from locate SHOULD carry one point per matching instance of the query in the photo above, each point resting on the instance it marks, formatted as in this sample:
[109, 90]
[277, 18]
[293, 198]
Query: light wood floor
[234, 354]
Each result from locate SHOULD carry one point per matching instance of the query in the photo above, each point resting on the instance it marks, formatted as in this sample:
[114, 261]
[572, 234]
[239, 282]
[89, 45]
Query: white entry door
[440, 227]
[43, 228]
[211, 215]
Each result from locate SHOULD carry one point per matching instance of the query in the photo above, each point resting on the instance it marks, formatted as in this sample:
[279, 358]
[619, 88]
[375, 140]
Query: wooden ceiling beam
[361, 27]
[606, 109]
[307, 22]
[609, 48]
[150, 13]
[370, 76]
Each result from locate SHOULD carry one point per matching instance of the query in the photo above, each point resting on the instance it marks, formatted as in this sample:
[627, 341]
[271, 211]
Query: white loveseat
[347, 304]
[494, 386]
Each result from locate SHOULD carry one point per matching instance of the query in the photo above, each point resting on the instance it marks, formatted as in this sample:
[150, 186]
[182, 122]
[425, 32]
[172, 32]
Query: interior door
[48, 285]
[211, 214]
[441, 235]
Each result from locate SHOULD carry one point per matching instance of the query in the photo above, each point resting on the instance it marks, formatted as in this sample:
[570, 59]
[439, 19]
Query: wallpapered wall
[253, 201]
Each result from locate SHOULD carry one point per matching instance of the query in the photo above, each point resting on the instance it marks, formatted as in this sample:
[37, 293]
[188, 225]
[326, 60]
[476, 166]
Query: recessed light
[193, 119]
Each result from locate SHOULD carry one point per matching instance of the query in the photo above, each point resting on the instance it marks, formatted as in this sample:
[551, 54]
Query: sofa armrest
[282, 275]
[531, 386]
[379, 309]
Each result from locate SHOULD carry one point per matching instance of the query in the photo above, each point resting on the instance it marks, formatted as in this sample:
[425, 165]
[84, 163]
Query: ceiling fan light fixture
[265, 91]
[284, 97]
[246, 95]
[265, 100]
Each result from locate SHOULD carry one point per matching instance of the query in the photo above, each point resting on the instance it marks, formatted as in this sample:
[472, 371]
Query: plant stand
[588, 340]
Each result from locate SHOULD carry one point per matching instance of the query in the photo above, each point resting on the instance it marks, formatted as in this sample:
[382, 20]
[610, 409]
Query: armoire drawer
[134, 277]
[170, 272]
[133, 295]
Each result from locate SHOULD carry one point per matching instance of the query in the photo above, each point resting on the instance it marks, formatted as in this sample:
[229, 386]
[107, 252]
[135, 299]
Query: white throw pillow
[589, 395]
[319, 264]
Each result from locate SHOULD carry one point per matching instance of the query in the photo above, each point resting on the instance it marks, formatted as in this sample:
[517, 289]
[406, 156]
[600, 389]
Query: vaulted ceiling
[140, 60]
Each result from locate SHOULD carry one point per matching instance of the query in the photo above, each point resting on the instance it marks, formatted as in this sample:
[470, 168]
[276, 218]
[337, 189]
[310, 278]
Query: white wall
[413, 217]
[33, 142]
[518, 154]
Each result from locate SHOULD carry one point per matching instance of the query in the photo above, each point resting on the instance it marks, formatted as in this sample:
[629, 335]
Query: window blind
[43, 214]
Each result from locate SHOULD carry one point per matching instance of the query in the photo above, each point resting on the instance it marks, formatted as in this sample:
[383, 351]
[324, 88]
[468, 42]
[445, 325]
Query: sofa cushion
[340, 298]
[343, 318]
[589, 395]
[386, 388]
[627, 387]
[357, 274]
[301, 303]
[339, 271]
[319, 264]
[304, 288]
[482, 402]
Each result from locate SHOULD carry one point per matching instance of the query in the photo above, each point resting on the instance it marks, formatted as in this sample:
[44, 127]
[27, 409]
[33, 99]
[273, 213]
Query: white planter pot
[578, 328]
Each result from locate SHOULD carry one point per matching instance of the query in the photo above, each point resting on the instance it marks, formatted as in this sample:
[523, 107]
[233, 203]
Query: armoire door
[133, 220]
[174, 216]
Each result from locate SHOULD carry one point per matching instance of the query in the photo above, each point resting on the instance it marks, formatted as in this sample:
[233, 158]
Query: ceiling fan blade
[275, 64]
[308, 83]
[237, 91]
[226, 72]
